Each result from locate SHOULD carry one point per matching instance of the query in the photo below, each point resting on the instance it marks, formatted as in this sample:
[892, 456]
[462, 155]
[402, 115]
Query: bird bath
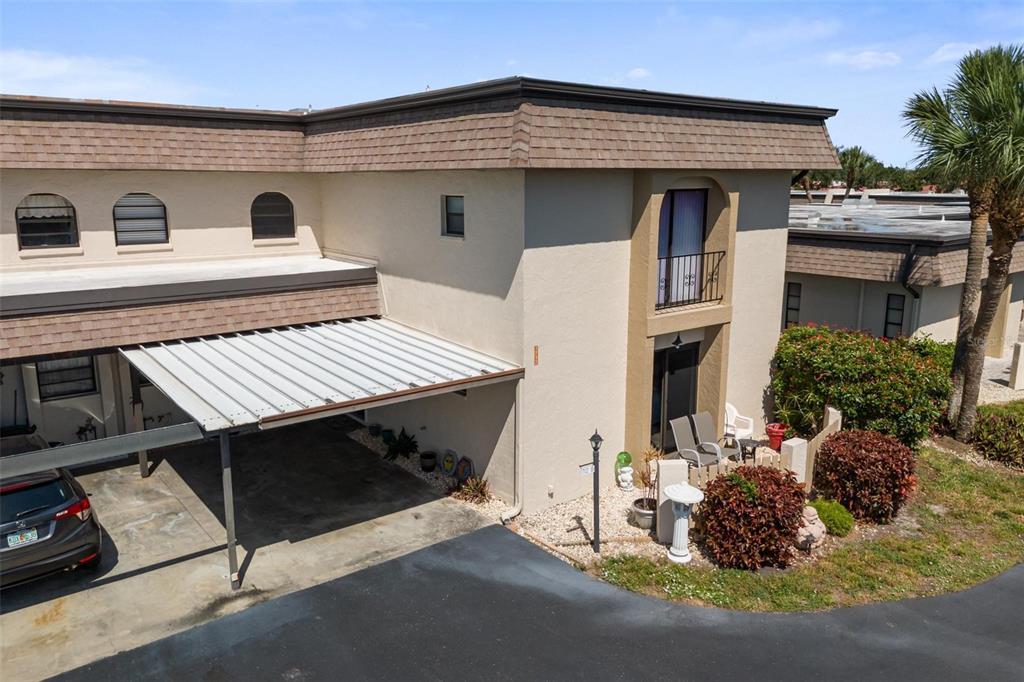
[683, 496]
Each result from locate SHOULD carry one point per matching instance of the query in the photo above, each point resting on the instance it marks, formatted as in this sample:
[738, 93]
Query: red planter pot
[776, 432]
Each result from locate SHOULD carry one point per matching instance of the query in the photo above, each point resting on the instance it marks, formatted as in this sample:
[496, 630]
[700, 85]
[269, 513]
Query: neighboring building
[621, 251]
[892, 265]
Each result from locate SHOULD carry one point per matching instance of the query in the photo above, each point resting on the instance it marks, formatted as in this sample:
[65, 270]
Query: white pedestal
[683, 496]
[1017, 367]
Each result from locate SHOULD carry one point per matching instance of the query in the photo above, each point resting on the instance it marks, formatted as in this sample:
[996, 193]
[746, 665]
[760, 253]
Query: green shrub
[405, 445]
[751, 517]
[838, 521]
[869, 473]
[999, 432]
[895, 386]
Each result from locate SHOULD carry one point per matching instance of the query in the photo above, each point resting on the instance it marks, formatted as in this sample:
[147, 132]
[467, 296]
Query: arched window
[272, 216]
[46, 220]
[140, 218]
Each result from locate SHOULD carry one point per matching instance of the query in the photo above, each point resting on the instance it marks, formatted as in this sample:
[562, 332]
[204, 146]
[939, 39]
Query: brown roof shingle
[42, 335]
[514, 123]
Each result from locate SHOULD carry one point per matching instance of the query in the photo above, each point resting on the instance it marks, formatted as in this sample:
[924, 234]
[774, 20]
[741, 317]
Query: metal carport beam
[99, 450]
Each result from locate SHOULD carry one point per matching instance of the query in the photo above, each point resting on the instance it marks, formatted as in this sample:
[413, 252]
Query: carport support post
[138, 423]
[229, 507]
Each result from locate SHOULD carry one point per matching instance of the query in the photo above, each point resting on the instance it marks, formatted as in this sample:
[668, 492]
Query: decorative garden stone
[812, 530]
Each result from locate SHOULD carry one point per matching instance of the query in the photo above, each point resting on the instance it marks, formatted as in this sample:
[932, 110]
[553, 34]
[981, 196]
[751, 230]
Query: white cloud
[26, 72]
[792, 31]
[639, 73]
[950, 52]
[511, 62]
[865, 59]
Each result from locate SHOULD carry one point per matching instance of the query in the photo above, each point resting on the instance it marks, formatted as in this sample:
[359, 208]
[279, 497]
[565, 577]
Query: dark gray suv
[46, 524]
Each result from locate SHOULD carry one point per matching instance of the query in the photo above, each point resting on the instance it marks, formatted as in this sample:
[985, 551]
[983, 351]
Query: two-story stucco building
[572, 257]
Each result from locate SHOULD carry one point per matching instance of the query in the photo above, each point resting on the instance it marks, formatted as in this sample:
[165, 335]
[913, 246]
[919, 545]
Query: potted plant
[403, 445]
[428, 460]
[645, 508]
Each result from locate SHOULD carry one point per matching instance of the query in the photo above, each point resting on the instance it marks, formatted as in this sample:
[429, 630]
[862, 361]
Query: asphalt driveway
[489, 605]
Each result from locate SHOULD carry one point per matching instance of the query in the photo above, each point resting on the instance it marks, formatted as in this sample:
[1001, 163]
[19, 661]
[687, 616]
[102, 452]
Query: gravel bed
[568, 528]
[492, 509]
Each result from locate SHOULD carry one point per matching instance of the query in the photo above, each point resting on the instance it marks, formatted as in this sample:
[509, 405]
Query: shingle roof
[40, 335]
[882, 261]
[513, 123]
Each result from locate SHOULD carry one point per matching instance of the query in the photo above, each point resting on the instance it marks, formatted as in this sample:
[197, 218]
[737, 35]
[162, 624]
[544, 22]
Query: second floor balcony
[690, 279]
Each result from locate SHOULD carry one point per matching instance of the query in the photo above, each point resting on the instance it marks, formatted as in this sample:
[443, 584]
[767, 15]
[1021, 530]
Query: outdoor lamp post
[595, 443]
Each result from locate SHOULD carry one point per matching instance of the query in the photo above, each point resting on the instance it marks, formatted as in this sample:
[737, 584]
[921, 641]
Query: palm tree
[950, 127]
[855, 162]
[997, 75]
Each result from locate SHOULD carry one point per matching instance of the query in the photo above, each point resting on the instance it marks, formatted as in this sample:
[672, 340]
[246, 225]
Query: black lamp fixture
[596, 440]
[678, 343]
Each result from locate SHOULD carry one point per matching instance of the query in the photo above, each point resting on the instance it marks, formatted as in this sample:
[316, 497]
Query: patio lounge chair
[736, 425]
[707, 435]
[688, 446]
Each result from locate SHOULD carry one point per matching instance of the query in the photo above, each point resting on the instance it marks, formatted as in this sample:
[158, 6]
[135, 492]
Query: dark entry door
[674, 391]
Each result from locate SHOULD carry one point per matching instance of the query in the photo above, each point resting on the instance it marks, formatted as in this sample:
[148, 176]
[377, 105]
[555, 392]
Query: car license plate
[23, 537]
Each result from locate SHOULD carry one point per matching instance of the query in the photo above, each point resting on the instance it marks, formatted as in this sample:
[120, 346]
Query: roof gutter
[515, 87]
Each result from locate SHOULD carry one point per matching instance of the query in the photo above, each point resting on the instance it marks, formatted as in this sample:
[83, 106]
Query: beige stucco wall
[939, 315]
[836, 300]
[575, 297]
[479, 425]
[467, 290]
[757, 289]
[207, 215]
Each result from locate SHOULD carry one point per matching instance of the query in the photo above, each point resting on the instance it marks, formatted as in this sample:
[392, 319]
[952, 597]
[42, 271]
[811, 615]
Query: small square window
[793, 292]
[894, 307]
[454, 216]
[66, 378]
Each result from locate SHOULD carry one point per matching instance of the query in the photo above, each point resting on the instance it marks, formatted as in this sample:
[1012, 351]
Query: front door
[674, 391]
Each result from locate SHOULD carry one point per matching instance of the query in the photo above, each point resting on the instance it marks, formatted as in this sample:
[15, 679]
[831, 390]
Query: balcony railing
[690, 279]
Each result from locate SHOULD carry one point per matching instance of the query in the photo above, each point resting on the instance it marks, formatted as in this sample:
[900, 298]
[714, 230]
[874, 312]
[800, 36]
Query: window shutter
[140, 218]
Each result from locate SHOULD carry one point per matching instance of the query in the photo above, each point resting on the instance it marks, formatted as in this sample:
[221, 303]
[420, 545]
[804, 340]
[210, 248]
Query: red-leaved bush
[751, 517]
[869, 473]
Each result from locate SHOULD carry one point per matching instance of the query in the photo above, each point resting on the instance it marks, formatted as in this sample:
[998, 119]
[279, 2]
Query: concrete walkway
[311, 505]
[489, 605]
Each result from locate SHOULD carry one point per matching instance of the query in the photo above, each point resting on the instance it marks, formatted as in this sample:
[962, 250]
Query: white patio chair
[736, 425]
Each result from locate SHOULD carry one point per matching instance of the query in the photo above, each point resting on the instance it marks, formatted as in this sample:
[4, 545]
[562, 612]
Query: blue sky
[863, 58]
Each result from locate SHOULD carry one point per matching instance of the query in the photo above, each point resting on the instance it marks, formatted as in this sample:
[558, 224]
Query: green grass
[971, 528]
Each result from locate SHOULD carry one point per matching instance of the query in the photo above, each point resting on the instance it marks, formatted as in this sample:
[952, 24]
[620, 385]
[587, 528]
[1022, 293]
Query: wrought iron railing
[690, 279]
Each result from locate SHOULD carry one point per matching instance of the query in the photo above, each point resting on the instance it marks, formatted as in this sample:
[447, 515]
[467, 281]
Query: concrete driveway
[311, 505]
[489, 605]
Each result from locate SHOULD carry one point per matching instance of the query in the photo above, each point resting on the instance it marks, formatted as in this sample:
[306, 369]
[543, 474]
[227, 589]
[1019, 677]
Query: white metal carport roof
[285, 375]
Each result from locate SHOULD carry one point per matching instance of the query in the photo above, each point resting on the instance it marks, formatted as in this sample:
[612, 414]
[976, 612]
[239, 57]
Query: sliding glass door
[680, 245]
[674, 391]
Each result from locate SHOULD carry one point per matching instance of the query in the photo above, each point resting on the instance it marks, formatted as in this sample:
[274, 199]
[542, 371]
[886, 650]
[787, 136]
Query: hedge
[896, 386]
[751, 517]
[999, 432]
[869, 473]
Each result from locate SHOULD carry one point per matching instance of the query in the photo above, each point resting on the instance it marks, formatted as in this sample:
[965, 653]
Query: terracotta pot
[776, 432]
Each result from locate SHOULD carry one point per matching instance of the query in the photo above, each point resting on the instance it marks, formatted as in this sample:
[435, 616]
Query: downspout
[908, 266]
[517, 465]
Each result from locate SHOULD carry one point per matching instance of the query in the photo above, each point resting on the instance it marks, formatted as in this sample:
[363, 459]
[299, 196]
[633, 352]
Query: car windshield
[15, 501]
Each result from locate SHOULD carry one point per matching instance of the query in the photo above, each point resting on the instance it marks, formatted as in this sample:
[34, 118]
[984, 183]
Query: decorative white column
[683, 496]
